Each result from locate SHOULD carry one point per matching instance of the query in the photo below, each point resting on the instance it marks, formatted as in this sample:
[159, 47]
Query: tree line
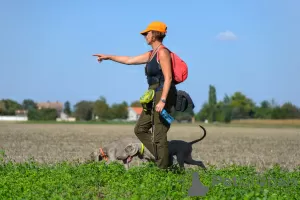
[84, 110]
[239, 106]
[236, 106]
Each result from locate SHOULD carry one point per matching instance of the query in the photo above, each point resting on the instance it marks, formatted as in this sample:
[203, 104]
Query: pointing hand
[101, 57]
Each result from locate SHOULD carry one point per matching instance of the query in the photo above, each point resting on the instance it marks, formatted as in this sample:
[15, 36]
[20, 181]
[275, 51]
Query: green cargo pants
[161, 127]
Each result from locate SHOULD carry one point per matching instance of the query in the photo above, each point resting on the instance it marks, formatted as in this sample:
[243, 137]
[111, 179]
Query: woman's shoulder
[163, 52]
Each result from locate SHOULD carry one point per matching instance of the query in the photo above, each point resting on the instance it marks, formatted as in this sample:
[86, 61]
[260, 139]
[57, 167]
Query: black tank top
[153, 71]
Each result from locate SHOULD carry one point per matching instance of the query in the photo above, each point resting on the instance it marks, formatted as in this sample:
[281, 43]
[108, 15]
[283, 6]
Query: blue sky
[46, 48]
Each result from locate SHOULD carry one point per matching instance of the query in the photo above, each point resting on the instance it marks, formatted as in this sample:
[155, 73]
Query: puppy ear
[131, 149]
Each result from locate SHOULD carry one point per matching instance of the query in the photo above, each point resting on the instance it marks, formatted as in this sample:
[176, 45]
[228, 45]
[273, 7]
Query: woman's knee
[138, 129]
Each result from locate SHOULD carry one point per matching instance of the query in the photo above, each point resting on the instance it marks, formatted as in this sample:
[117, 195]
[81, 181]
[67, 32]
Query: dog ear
[92, 156]
[95, 156]
[131, 149]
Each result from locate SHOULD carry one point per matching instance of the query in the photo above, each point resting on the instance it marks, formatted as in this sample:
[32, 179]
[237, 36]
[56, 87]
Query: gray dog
[118, 151]
[182, 150]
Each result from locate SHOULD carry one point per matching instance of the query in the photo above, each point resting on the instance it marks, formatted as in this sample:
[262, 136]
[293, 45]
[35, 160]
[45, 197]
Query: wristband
[163, 100]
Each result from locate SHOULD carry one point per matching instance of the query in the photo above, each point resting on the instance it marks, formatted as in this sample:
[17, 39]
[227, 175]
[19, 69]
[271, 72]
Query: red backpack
[179, 67]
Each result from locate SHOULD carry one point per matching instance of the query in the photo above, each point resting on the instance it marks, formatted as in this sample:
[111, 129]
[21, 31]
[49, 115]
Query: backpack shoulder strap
[151, 52]
[157, 57]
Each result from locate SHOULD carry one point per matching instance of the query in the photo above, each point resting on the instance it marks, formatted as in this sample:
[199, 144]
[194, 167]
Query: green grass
[66, 180]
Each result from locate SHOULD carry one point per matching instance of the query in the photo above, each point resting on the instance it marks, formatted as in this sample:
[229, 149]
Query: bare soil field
[282, 122]
[261, 147]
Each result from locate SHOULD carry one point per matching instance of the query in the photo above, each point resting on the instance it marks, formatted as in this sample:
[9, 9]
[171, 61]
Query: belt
[156, 86]
[152, 80]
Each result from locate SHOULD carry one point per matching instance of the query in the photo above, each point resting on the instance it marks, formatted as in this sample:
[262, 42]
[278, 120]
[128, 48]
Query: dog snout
[100, 158]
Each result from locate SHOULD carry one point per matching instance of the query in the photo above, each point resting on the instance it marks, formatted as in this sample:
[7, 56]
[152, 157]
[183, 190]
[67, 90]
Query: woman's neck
[155, 44]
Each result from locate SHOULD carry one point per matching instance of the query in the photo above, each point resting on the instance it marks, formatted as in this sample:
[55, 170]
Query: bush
[45, 114]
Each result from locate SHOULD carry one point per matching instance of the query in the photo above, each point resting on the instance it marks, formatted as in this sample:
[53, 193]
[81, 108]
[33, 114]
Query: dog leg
[189, 160]
[172, 160]
[126, 164]
[111, 156]
[180, 160]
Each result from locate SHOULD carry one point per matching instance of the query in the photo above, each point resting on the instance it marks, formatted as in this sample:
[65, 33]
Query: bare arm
[128, 60]
[165, 63]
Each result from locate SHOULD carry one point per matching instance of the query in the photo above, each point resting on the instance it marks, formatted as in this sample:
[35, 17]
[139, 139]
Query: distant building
[55, 105]
[21, 113]
[58, 106]
[64, 117]
[134, 113]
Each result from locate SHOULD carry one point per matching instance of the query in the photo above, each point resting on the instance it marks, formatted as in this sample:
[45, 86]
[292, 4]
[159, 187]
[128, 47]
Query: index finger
[96, 55]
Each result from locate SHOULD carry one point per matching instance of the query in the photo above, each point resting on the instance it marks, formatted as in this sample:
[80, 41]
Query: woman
[159, 76]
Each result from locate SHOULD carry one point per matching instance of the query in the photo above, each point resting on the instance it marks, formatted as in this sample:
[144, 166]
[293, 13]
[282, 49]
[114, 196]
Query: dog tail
[198, 140]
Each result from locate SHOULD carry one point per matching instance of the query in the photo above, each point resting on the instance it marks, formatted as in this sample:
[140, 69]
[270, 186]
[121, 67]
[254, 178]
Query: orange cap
[156, 26]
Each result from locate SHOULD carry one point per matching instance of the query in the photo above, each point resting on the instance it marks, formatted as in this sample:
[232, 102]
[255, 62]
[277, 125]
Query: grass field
[59, 172]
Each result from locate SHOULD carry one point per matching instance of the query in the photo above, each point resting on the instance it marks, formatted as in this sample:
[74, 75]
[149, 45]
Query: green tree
[101, 108]
[118, 111]
[44, 114]
[28, 104]
[227, 109]
[224, 110]
[10, 106]
[135, 104]
[239, 106]
[227, 100]
[84, 110]
[212, 102]
[263, 111]
[2, 108]
[276, 113]
[204, 112]
[242, 107]
[289, 111]
[67, 108]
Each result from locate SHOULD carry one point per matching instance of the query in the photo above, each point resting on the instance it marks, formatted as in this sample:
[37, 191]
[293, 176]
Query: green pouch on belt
[147, 98]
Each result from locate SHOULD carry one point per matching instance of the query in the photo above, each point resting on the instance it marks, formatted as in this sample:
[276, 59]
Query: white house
[20, 115]
[134, 113]
[65, 117]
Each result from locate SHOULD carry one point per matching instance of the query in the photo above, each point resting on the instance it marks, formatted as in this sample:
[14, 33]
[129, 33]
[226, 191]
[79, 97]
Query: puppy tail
[198, 140]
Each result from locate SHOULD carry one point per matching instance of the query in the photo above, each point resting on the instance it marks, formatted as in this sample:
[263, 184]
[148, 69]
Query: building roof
[56, 105]
[137, 110]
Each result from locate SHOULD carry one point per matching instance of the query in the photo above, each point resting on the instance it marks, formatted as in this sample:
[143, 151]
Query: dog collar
[142, 148]
[103, 154]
